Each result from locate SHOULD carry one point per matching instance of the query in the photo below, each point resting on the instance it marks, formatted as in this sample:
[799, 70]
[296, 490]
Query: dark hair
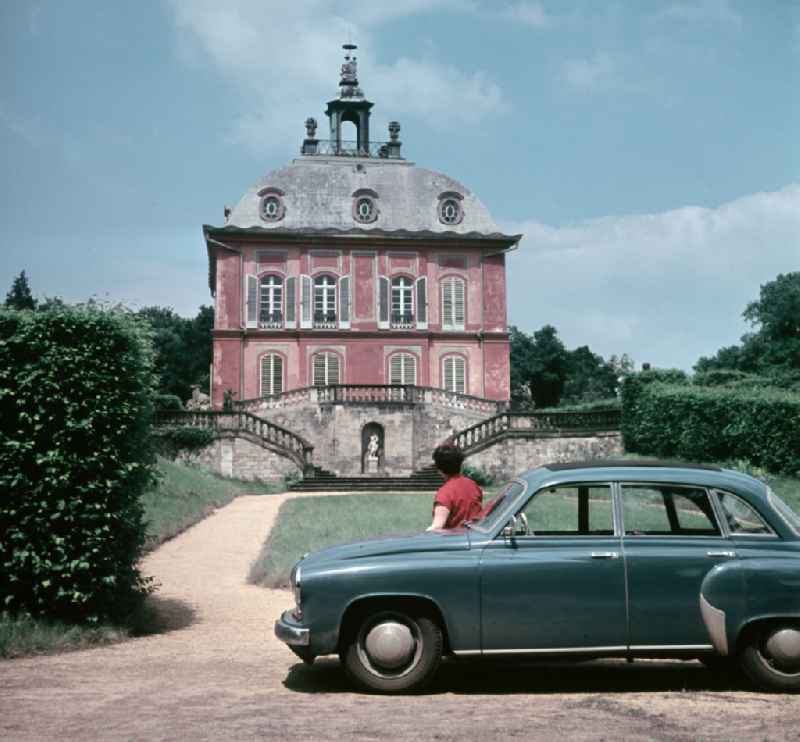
[448, 458]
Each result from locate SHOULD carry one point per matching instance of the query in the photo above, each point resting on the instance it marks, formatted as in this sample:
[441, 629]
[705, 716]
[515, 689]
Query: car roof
[627, 464]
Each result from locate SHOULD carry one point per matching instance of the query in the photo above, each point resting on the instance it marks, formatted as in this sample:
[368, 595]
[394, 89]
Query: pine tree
[20, 296]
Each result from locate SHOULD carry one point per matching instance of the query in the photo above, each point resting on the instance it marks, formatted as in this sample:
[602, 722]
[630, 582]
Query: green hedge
[167, 402]
[176, 439]
[76, 389]
[712, 423]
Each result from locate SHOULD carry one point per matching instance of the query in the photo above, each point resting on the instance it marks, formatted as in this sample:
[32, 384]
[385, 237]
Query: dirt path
[219, 674]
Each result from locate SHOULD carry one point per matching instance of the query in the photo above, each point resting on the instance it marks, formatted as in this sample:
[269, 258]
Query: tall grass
[183, 496]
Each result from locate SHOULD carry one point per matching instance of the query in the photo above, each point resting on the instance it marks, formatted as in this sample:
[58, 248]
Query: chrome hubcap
[390, 645]
[783, 648]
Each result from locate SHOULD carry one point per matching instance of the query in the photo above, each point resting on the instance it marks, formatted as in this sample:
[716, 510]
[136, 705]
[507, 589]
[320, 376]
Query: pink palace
[353, 266]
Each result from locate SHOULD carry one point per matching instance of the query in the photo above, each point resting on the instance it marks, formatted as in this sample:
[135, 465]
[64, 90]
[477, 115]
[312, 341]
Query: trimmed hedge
[76, 389]
[712, 423]
[167, 402]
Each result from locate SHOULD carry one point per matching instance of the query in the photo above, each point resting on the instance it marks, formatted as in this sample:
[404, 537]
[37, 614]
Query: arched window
[402, 302]
[454, 374]
[271, 374]
[453, 311]
[324, 301]
[271, 302]
[402, 369]
[326, 369]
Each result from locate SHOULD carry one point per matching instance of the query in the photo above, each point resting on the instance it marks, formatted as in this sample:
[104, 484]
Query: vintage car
[627, 559]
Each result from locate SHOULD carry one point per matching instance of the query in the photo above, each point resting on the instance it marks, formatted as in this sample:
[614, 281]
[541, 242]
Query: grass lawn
[312, 523]
[183, 496]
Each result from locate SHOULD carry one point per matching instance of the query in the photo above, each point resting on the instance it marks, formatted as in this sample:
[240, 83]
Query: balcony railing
[350, 148]
[325, 320]
[271, 320]
[402, 321]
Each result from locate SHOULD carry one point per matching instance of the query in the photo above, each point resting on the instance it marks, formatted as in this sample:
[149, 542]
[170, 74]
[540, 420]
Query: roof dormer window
[365, 205]
[450, 209]
[272, 208]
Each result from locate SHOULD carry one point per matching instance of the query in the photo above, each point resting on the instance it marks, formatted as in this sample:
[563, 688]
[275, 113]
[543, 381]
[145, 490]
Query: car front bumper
[290, 632]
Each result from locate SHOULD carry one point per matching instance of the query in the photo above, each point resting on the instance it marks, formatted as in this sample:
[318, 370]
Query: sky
[647, 149]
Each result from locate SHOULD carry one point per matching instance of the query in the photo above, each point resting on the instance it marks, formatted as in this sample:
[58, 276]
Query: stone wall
[411, 432]
[512, 456]
[242, 457]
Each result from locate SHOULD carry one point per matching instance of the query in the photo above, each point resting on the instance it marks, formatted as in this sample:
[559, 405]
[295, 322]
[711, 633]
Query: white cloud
[594, 74]
[702, 11]
[665, 287]
[284, 61]
[530, 14]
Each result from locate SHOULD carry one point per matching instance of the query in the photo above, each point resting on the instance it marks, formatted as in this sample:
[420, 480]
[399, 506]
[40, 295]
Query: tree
[538, 366]
[774, 347]
[589, 377]
[183, 348]
[20, 296]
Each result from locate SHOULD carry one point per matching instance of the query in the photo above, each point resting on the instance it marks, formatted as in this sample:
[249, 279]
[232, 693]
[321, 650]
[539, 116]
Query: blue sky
[647, 149]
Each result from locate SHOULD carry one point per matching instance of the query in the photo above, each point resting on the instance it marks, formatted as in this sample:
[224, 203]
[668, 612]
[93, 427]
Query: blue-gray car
[603, 559]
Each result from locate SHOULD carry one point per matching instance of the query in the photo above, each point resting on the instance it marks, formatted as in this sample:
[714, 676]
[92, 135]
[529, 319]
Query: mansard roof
[318, 195]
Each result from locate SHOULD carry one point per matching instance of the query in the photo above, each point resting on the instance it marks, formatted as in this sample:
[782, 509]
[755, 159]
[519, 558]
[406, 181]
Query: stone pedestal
[372, 466]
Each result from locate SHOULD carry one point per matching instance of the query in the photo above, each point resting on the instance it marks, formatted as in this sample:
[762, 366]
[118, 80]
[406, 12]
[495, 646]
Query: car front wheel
[771, 657]
[393, 651]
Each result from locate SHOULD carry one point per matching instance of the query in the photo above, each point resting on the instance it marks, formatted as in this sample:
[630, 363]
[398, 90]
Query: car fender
[737, 594]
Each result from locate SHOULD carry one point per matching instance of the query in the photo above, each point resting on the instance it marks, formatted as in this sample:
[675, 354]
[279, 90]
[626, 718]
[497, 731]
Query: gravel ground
[216, 672]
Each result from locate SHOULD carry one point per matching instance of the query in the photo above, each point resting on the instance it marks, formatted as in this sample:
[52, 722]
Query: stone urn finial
[311, 127]
[394, 130]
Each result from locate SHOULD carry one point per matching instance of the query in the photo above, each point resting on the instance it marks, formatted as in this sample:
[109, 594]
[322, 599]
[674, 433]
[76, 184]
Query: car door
[560, 586]
[671, 540]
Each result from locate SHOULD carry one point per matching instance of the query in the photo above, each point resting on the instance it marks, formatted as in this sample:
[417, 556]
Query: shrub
[177, 439]
[167, 402]
[481, 477]
[76, 388]
[761, 425]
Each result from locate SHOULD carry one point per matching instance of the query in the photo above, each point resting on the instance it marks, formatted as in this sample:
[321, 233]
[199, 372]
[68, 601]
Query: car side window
[742, 518]
[665, 510]
[574, 510]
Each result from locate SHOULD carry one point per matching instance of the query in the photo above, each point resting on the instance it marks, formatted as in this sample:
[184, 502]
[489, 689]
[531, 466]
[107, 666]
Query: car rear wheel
[771, 656]
[393, 651]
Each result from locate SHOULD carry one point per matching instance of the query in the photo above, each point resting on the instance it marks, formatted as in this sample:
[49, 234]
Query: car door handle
[726, 554]
[605, 555]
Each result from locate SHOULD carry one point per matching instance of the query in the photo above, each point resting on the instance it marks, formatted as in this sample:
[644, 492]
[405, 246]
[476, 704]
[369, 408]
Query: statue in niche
[373, 447]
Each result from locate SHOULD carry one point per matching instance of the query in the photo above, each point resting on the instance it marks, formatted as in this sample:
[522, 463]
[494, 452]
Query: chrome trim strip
[714, 620]
[557, 650]
[670, 647]
[467, 652]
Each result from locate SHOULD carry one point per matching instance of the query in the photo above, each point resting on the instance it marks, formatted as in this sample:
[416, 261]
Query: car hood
[429, 541]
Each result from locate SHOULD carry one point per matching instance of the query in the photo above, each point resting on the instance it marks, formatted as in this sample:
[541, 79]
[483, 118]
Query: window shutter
[448, 374]
[344, 302]
[459, 374]
[447, 303]
[277, 375]
[396, 369]
[305, 301]
[291, 289]
[383, 302]
[458, 303]
[271, 375]
[252, 301]
[333, 368]
[422, 303]
[319, 369]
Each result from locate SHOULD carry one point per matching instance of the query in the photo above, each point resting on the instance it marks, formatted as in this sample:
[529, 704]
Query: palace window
[325, 301]
[326, 369]
[454, 374]
[402, 302]
[453, 303]
[271, 374]
[271, 302]
[403, 369]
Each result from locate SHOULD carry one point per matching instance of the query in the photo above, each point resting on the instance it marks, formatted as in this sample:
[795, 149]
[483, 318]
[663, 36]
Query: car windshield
[785, 511]
[489, 515]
